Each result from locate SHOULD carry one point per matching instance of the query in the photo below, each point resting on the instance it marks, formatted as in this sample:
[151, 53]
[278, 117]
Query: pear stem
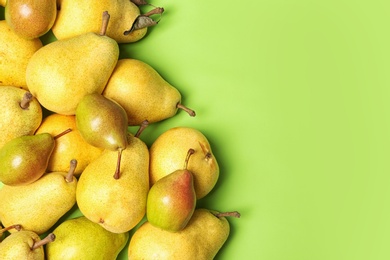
[189, 153]
[139, 2]
[105, 20]
[157, 10]
[188, 110]
[25, 102]
[142, 127]
[17, 227]
[235, 214]
[62, 133]
[49, 238]
[118, 165]
[72, 168]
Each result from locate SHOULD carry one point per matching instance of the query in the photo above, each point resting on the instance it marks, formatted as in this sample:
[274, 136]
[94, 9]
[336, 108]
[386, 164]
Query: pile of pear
[66, 108]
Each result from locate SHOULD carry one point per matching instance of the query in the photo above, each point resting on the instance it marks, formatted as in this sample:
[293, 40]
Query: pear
[201, 239]
[3, 230]
[39, 205]
[166, 154]
[103, 123]
[62, 72]
[30, 18]
[171, 200]
[71, 146]
[15, 56]
[73, 241]
[3, 2]
[117, 204]
[124, 13]
[143, 93]
[21, 113]
[25, 244]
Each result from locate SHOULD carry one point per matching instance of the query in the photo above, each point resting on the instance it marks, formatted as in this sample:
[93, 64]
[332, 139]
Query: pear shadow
[2, 13]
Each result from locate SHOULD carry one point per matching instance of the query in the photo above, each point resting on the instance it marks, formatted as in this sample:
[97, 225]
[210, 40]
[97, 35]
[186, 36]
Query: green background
[294, 99]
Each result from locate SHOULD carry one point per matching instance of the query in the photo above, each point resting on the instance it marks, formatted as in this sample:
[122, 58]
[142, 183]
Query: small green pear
[171, 200]
[143, 92]
[39, 205]
[73, 241]
[201, 239]
[25, 244]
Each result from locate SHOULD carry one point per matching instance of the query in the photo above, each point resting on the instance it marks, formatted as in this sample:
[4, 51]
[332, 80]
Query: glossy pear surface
[166, 155]
[62, 72]
[201, 239]
[171, 201]
[15, 120]
[18, 246]
[116, 204]
[102, 122]
[15, 57]
[80, 238]
[24, 159]
[30, 18]
[142, 92]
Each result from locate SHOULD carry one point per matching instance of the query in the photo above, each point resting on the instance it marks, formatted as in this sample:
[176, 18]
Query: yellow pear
[68, 147]
[123, 13]
[166, 155]
[15, 53]
[21, 113]
[143, 92]
[201, 239]
[117, 204]
[3, 2]
[62, 72]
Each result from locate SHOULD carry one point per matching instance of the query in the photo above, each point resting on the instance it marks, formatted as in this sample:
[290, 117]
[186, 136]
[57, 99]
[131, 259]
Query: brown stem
[157, 10]
[17, 227]
[49, 238]
[189, 153]
[105, 20]
[118, 165]
[25, 102]
[62, 133]
[142, 127]
[72, 168]
[188, 110]
[228, 214]
[139, 2]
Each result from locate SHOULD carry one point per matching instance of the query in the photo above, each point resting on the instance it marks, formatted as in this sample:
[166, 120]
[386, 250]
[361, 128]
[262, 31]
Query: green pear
[201, 239]
[62, 72]
[21, 113]
[143, 93]
[14, 57]
[171, 200]
[25, 244]
[80, 238]
[39, 205]
[117, 204]
[30, 18]
[167, 151]
[102, 123]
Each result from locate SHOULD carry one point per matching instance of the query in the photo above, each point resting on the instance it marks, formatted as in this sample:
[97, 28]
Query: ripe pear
[3, 2]
[201, 239]
[15, 53]
[4, 230]
[21, 113]
[143, 92]
[73, 241]
[102, 123]
[117, 204]
[171, 200]
[30, 18]
[71, 146]
[166, 154]
[39, 205]
[62, 72]
[25, 244]
[123, 14]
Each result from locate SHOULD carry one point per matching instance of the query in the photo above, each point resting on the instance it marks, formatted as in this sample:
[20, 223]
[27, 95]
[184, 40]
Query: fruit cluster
[66, 109]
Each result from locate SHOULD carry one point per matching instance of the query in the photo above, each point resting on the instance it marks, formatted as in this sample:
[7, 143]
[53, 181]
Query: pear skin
[73, 241]
[166, 155]
[117, 204]
[201, 239]
[15, 57]
[39, 205]
[143, 92]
